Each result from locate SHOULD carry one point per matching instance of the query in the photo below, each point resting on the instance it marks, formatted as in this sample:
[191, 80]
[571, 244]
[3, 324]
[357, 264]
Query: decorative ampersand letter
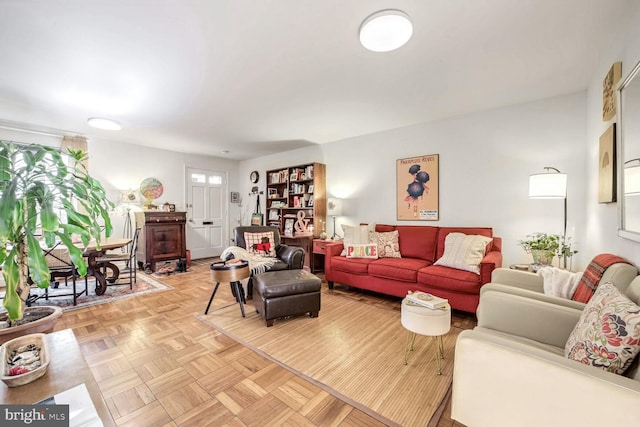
[301, 223]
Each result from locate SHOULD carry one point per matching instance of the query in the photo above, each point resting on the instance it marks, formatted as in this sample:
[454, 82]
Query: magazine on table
[427, 300]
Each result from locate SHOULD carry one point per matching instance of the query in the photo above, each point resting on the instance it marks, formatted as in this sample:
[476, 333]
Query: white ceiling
[256, 76]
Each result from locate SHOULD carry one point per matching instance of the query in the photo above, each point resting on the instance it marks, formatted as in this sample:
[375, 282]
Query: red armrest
[332, 249]
[491, 261]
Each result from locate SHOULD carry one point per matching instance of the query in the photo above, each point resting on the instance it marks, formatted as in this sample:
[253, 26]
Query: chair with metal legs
[112, 272]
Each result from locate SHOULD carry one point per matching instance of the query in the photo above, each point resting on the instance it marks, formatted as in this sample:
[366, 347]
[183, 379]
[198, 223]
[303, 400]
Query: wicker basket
[17, 380]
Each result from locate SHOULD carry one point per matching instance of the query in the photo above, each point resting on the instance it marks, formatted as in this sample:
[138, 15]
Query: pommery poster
[417, 188]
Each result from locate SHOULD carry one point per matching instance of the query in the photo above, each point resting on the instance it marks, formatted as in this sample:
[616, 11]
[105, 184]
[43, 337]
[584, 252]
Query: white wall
[601, 221]
[485, 161]
[121, 166]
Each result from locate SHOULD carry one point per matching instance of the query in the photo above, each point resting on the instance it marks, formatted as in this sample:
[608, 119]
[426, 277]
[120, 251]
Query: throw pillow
[362, 251]
[464, 252]
[260, 244]
[388, 244]
[607, 335]
[355, 235]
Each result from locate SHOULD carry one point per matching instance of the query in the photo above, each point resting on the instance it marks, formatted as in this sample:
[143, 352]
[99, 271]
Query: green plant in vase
[46, 196]
[542, 246]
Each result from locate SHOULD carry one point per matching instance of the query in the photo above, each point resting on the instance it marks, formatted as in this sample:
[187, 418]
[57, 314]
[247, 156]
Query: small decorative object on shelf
[151, 189]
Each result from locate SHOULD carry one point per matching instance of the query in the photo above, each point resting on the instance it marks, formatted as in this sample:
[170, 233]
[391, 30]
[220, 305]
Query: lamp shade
[632, 180]
[334, 207]
[548, 186]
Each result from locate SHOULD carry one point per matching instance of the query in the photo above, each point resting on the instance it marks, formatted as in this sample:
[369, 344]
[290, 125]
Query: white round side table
[418, 319]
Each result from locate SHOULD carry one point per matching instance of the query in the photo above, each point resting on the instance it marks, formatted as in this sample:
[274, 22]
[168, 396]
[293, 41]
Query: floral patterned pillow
[607, 335]
[388, 244]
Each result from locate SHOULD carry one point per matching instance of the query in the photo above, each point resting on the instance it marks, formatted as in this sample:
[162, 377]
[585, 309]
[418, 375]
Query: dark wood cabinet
[162, 237]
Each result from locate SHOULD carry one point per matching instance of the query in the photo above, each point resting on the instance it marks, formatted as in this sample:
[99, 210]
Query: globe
[151, 189]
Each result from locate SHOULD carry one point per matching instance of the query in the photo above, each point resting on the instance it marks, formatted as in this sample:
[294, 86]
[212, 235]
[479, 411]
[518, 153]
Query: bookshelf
[293, 189]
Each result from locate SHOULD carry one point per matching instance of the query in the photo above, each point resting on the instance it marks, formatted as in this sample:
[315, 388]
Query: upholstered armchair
[531, 285]
[287, 257]
[511, 369]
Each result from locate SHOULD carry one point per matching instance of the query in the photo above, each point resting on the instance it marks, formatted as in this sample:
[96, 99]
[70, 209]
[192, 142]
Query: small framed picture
[172, 207]
[256, 219]
[310, 189]
[235, 197]
[310, 204]
[288, 227]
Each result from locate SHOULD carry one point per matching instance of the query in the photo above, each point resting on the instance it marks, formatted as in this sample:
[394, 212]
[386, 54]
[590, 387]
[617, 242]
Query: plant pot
[542, 256]
[39, 319]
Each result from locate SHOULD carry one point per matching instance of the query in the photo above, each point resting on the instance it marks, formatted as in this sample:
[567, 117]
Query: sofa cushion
[355, 235]
[387, 243]
[451, 279]
[444, 231]
[384, 228]
[260, 244]
[401, 269]
[463, 251]
[362, 251]
[418, 241]
[607, 335]
[351, 265]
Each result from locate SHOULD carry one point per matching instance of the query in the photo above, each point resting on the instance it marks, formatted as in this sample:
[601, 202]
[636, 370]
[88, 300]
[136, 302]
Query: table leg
[93, 269]
[411, 338]
[239, 295]
[213, 294]
[439, 347]
[115, 272]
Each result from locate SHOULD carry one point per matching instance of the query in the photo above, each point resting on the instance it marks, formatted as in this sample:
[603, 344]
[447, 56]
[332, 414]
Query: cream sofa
[511, 370]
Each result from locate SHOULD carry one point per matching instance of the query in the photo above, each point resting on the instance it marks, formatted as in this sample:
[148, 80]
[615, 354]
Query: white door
[207, 212]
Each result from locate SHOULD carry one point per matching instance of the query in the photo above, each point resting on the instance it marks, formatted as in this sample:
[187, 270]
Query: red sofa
[420, 247]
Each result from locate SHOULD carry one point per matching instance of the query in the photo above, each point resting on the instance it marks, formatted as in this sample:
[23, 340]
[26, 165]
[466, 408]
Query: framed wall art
[607, 166]
[417, 197]
[235, 197]
[609, 91]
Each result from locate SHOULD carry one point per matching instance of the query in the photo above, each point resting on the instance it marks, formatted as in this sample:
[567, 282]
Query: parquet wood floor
[157, 365]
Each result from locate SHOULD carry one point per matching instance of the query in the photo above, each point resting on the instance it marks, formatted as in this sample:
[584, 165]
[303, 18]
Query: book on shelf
[427, 300]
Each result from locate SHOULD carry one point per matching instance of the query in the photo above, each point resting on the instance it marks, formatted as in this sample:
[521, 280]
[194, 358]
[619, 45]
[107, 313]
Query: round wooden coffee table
[232, 271]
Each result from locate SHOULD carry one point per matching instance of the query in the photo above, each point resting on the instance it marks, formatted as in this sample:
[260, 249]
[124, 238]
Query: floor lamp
[334, 208]
[551, 185]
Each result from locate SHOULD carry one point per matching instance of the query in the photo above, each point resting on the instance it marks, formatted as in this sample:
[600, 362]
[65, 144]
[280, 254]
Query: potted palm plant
[45, 197]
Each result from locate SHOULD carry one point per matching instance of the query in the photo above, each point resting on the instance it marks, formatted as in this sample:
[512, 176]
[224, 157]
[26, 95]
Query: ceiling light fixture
[386, 30]
[105, 124]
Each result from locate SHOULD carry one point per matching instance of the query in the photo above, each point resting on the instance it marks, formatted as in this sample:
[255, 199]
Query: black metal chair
[60, 267]
[112, 272]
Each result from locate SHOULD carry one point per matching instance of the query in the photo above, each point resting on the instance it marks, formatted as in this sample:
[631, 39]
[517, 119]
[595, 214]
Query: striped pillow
[464, 252]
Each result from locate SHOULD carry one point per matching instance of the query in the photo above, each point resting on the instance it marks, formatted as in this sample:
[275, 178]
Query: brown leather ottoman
[283, 293]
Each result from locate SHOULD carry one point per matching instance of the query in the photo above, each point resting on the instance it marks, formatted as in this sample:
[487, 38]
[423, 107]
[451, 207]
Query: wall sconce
[334, 208]
[632, 178]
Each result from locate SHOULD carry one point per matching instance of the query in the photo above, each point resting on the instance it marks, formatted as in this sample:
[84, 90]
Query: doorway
[207, 212]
